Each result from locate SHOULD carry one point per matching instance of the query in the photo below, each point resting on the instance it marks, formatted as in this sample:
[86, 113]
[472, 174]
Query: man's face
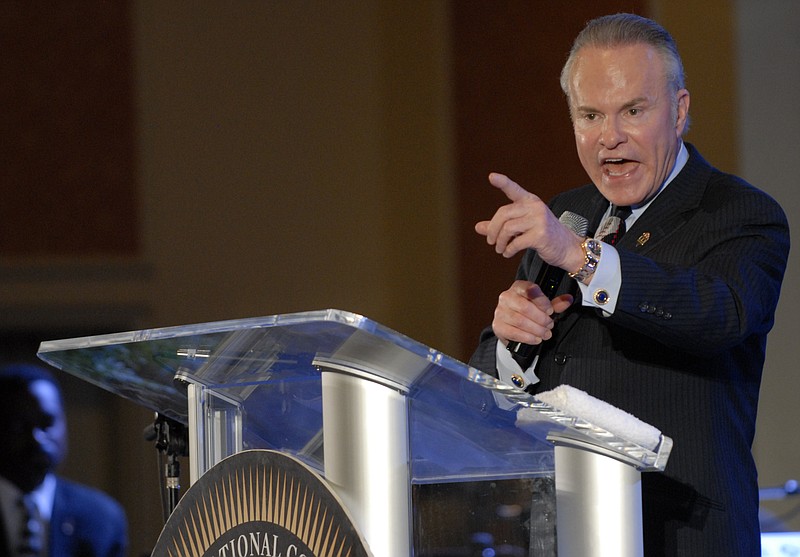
[33, 434]
[627, 128]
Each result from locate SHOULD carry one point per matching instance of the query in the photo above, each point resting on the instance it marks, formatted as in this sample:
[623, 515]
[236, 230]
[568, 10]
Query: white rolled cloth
[580, 404]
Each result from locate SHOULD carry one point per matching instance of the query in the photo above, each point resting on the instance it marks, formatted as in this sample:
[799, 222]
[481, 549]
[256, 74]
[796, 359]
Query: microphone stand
[172, 441]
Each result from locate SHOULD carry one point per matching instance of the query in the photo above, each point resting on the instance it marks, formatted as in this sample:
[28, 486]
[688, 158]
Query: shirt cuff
[603, 290]
[510, 372]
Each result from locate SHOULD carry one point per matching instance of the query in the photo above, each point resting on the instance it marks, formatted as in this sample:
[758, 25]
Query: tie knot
[621, 212]
[614, 226]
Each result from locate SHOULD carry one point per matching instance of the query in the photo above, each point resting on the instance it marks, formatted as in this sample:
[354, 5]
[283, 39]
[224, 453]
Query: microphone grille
[578, 224]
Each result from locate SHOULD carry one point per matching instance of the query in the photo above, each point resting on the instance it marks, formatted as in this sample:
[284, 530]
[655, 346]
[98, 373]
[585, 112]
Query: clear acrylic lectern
[418, 446]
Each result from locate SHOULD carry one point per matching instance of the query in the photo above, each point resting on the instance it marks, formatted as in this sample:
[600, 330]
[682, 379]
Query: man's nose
[612, 133]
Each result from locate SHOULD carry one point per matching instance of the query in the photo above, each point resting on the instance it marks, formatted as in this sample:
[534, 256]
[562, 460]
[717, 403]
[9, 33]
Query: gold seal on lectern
[260, 503]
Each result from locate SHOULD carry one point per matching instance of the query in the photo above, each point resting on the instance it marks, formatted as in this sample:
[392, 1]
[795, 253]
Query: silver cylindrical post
[365, 429]
[599, 505]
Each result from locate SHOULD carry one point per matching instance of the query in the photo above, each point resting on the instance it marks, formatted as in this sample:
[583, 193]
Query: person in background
[665, 316]
[43, 514]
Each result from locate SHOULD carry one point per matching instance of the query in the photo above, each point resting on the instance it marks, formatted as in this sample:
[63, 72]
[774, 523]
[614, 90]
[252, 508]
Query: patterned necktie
[614, 226]
[31, 537]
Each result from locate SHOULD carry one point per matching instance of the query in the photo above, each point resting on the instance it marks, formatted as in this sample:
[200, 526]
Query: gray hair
[622, 30]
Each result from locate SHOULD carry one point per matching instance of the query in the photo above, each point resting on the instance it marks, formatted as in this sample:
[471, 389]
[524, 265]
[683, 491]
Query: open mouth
[617, 166]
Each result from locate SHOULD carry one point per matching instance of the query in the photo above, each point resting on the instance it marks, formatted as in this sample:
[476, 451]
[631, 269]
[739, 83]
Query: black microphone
[549, 279]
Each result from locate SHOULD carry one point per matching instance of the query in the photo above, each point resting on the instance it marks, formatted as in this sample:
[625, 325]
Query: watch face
[260, 503]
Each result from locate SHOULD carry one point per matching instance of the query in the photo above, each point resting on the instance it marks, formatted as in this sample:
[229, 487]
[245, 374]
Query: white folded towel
[582, 405]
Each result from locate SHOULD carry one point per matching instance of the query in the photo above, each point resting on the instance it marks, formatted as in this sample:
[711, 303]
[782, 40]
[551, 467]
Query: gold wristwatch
[591, 251]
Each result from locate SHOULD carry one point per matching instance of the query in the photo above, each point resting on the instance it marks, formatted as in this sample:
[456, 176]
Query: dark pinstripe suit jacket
[684, 350]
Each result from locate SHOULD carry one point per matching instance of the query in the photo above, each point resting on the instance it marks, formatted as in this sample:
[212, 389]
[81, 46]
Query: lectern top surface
[269, 368]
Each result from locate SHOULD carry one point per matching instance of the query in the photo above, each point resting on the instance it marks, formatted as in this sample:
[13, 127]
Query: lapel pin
[643, 239]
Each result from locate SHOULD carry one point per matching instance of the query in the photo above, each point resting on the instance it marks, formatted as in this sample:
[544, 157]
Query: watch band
[591, 251]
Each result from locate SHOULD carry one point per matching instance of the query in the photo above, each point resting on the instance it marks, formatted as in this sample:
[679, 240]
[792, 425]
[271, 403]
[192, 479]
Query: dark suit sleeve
[484, 358]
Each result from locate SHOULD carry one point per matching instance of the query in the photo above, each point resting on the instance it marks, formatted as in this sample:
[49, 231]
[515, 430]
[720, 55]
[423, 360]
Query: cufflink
[601, 297]
[518, 381]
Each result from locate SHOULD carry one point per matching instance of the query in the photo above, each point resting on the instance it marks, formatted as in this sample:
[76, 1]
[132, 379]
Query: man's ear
[682, 119]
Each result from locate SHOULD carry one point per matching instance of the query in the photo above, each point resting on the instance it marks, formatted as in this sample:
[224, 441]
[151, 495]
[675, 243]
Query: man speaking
[666, 303]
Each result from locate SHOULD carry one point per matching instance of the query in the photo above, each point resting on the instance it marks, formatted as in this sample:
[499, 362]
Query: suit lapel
[671, 209]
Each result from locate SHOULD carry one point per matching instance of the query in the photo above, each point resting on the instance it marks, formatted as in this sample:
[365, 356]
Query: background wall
[288, 156]
[291, 159]
[768, 69]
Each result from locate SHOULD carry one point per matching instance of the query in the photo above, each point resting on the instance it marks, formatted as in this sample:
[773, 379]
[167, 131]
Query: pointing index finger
[509, 187]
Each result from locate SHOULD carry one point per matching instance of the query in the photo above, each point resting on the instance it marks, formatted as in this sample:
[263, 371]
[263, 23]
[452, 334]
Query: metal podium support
[215, 428]
[367, 466]
[599, 500]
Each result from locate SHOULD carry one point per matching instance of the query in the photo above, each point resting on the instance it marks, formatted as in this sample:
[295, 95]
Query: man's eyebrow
[630, 104]
[634, 102]
[586, 109]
